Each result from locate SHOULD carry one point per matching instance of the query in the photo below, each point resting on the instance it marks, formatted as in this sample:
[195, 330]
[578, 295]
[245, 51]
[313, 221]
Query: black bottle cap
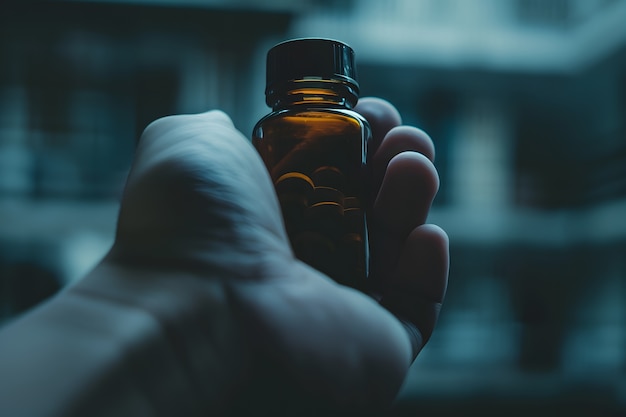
[311, 58]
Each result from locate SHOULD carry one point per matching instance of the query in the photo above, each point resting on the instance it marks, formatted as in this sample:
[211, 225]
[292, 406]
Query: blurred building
[526, 103]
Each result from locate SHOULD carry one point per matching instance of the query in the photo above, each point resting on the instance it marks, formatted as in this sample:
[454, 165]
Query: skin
[200, 307]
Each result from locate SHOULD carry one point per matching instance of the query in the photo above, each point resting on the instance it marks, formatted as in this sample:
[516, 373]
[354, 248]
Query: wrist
[123, 342]
[197, 322]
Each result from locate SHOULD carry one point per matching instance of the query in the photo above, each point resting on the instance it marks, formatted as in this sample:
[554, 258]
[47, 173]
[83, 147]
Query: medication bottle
[314, 147]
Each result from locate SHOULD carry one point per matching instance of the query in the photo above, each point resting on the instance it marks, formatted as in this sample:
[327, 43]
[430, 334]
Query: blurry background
[526, 103]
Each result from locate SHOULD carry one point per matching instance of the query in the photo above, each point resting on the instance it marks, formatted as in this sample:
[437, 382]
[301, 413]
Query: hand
[200, 245]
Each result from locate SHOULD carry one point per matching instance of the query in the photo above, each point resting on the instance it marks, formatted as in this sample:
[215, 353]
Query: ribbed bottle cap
[311, 57]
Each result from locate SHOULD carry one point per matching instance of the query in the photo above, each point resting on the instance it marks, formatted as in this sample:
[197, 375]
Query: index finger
[382, 117]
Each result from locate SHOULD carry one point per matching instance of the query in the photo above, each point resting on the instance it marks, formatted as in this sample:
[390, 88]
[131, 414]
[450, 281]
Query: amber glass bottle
[314, 147]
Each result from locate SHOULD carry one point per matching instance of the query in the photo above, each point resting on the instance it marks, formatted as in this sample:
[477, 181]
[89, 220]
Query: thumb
[197, 182]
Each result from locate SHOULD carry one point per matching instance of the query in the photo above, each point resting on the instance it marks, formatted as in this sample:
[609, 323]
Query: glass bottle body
[316, 155]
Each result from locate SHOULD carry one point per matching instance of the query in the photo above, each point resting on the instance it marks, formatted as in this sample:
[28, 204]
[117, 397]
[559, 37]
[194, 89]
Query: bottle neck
[312, 93]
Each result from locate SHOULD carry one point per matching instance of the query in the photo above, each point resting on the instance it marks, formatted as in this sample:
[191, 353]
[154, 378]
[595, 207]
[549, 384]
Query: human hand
[201, 246]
